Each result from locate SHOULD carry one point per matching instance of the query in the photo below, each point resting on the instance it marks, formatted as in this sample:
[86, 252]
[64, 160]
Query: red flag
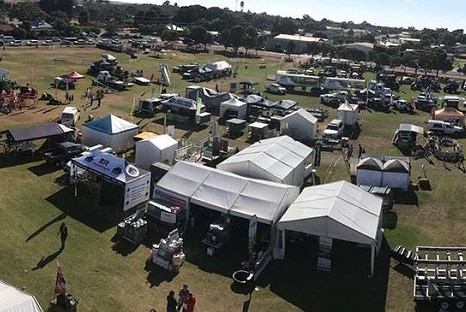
[60, 285]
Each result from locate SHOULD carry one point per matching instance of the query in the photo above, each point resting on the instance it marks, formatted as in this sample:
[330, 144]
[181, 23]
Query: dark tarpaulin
[251, 98]
[38, 132]
[284, 104]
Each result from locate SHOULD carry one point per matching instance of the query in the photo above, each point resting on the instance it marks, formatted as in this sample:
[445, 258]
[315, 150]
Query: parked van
[442, 127]
[334, 129]
[70, 116]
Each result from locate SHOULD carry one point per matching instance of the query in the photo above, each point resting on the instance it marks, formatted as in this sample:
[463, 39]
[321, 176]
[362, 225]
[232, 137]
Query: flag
[198, 107]
[60, 285]
[252, 242]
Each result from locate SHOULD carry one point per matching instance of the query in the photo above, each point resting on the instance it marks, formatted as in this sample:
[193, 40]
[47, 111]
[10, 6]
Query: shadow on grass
[42, 169]
[157, 275]
[389, 220]
[404, 270]
[99, 218]
[346, 288]
[406, 198]
[124, 247]
[17, 158]
[46, 225]
[46, 260]
[224, 262]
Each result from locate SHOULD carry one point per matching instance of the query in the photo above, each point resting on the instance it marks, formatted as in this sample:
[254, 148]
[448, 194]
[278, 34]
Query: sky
[395, 13]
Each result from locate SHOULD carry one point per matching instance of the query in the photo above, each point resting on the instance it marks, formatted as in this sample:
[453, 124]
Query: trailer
[292, 80]
[440, 277]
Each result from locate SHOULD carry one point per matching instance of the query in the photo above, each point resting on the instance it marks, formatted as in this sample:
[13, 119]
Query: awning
[38, 132]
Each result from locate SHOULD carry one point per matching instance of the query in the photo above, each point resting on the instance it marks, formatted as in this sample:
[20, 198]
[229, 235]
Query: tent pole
[372, 260]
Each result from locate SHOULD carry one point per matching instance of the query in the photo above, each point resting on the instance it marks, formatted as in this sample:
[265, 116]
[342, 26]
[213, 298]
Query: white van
[70, 116]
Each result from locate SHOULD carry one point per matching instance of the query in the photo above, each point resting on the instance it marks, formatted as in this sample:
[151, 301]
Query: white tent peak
[227, 192]
[110, 124]
[352, 214]
[276, 159]
[348, 107]
[305, 114]
[370, 163]
[396, 165]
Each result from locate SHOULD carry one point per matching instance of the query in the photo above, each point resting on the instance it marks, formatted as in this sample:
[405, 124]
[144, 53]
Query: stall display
[168, 253]
[133, 228]
[218, 235]
[165, 217]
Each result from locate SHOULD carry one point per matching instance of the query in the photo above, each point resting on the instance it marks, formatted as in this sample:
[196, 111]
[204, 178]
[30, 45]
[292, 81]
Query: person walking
[189, 303]
[350, 151]
[63, 231]
[182, 295]
[360, 151]
[172, 304]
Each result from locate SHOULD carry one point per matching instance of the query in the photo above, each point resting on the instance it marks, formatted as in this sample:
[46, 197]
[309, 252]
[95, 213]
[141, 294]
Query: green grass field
[109, 276]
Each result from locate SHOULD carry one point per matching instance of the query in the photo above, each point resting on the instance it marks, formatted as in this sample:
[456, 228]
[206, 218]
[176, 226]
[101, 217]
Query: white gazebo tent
[233, 104]
[348, 113]
[160, 148]
[227, 193]
[369, 171]
[300, 125]
[133, 182]
[13, 299]
[396, 174]
[280, 159]
[338, 210]
[110, 131]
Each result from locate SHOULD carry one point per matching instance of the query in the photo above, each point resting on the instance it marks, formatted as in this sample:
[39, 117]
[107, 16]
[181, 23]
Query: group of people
[185, 303]
[361, 151]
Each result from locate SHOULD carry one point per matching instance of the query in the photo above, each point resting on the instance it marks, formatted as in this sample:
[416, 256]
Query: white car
[275, 88]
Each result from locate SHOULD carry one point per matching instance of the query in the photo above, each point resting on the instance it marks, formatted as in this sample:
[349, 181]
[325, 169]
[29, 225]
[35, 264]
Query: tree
[250, 40]
[224, 38]
[237, 36]
[290, 47]
[199, 35]
[169, 36]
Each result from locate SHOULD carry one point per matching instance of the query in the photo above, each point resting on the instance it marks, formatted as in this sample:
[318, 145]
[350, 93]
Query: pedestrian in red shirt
[189, 303]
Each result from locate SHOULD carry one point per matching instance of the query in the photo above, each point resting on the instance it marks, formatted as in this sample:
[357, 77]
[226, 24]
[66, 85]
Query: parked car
[275, 88]
[403, 106]
[334, 129]
[32, 42]
[445, 128]
[62, 153]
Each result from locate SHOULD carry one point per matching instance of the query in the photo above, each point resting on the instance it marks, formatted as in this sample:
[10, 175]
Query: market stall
[280, 159]
[133, 182]
[160, 148]
[299, 125]
[168, 253]
[110, 131]
[188, 184]
[218, 235]
[336, 211]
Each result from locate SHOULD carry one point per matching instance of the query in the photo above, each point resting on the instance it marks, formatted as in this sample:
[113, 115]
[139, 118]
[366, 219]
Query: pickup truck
[62, 153]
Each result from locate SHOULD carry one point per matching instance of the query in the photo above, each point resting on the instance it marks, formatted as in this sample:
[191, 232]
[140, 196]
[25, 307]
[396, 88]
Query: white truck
[334, 130]
[445, 128]
[70, 116]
